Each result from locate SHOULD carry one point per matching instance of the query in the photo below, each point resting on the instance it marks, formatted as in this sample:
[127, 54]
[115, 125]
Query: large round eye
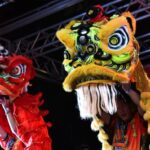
[119, 39]
[17, 71]
[67, 55]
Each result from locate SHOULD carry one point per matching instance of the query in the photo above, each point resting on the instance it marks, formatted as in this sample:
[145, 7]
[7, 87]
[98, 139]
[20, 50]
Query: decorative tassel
[97, 125]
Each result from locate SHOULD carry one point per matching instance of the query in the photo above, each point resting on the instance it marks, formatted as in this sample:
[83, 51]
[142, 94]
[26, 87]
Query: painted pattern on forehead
[93, 33]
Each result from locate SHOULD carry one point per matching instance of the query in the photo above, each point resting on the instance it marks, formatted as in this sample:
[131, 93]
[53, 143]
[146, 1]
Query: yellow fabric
[141, 79]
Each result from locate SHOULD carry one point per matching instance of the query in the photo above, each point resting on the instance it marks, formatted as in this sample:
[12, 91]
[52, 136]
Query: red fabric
[32, 129]
[100, 16]
[5, 126]
[135, 127]
[134, 142]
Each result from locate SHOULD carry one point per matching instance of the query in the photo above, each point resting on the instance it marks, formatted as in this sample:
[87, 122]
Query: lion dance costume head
[16, 71]
[30, 128]
[100, 54]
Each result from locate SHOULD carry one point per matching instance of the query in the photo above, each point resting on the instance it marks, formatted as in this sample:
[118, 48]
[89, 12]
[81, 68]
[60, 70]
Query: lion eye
[119, 39]
[114, 40]
[17, 71]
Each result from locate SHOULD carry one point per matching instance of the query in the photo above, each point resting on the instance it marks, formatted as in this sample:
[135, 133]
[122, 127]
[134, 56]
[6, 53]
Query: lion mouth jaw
[92, 74]
[92, 78]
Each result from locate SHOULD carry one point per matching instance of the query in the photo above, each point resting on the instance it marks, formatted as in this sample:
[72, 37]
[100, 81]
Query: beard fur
[93, 99]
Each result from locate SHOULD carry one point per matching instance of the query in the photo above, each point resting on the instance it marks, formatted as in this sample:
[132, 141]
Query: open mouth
[92, 78]
[92, 74]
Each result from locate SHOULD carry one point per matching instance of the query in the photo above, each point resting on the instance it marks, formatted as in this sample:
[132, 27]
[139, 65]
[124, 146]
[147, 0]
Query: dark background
[68, 132]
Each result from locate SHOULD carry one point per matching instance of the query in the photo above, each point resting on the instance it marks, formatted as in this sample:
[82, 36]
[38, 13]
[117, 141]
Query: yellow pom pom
[142, 105]
[145, 95]
[96, 124]
[102, 135]
[147, 115]
[107, 146]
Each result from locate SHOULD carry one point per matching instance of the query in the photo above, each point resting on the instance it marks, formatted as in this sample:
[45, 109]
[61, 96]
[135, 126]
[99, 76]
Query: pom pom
[102, 135]
[96, 13]
[96, 124]
[106, 146]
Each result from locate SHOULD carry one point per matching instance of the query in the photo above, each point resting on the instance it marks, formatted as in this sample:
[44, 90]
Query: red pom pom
[96, 13]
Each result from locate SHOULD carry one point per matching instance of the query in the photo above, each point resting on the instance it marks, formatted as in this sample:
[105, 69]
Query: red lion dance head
[22, 121]
[16, 72]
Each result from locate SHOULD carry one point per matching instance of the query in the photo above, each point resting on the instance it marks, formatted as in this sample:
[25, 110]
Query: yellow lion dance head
[98, 56]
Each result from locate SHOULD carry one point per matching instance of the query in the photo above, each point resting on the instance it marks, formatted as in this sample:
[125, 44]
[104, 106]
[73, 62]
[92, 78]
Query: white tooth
[93, 98]
[84, 105]
[108, 103]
